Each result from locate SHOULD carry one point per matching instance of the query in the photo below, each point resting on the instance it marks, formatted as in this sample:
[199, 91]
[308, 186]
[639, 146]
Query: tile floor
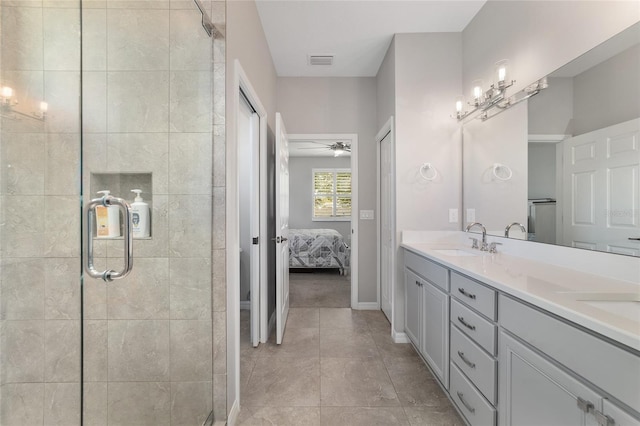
[336, 367]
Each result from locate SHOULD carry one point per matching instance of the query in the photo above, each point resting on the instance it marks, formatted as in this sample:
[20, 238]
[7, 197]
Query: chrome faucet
[484, 246]
[508, 228]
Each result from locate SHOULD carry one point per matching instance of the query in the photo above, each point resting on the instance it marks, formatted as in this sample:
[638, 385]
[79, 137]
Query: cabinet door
[533, 391]
[617, 415]
[413, 307]
[435, 330]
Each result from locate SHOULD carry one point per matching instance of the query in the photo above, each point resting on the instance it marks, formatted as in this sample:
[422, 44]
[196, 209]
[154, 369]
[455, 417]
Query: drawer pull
[466, 324]
[465, 403]
[466, 361]
[464, 293]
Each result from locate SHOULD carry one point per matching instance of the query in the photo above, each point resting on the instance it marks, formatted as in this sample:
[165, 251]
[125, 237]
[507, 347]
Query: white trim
[399, 337]
[245, 305]
[233, 413]
[232, 230]
[387, 128]
[547, 138]
[367, 306]
[353, 137]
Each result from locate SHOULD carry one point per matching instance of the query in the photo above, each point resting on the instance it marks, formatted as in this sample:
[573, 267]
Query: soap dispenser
[107, 220]
[139, 216]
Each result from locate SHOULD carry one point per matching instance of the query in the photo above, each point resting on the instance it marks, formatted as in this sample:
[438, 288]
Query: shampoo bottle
[139, 216]
[107, 220]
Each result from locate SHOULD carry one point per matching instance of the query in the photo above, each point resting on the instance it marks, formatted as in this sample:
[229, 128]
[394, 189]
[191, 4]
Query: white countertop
[549, 287]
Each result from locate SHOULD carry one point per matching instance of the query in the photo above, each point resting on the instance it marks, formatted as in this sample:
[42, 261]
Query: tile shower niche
[120, 185]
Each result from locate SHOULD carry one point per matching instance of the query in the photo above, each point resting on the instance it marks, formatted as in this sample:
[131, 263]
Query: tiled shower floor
[336, 367]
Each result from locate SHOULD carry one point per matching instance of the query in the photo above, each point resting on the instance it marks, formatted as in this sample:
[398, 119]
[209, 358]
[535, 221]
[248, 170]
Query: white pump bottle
[140, 216]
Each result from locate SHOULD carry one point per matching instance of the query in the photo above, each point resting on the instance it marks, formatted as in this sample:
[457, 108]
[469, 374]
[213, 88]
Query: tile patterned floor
[336, 367]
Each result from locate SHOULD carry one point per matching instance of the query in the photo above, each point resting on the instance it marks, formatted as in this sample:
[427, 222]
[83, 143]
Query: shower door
[111, 95]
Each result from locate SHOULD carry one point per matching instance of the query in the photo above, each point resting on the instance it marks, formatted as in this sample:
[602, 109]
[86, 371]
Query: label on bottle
[102, 221]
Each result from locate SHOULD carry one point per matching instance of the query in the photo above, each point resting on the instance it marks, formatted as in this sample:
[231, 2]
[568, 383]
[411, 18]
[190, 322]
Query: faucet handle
[493, 247]
[474, 244]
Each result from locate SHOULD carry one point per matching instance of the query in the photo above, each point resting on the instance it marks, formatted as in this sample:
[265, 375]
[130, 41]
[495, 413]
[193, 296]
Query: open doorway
[323, 232]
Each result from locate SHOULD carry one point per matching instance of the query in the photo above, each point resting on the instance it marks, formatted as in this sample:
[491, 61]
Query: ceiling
[358, 33]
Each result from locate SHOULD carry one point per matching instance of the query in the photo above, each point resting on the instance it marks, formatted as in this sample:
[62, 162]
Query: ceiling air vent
[320, 59]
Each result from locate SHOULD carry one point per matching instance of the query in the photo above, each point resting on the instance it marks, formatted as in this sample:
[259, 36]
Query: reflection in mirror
[579, 185]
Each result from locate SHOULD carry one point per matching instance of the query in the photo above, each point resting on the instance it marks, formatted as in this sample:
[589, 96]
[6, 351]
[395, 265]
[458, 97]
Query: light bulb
[501, 72]
[44, 107]
[459, 106]
[7, 92]
[476, 92]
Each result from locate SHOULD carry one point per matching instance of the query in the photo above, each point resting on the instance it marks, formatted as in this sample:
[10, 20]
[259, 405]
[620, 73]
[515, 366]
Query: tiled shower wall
[148, 107]
[40, 223]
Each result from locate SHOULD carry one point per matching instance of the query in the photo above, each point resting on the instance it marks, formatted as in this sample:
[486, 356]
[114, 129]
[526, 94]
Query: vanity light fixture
[8, 103]
[484, 100]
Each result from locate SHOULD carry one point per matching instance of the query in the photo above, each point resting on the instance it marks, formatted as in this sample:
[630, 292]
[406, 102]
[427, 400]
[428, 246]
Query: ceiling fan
[338, 148]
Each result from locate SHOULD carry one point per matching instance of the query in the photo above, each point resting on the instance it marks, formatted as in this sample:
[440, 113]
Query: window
[331, 194]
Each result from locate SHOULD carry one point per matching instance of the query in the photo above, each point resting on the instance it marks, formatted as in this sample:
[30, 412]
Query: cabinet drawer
[472, 404]
[607, 366]
[427, 269]
[474, 325]
[479, 297]
[479, 367]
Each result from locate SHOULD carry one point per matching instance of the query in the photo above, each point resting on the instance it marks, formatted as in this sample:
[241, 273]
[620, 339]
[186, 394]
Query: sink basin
[454, 252]
[602, 296]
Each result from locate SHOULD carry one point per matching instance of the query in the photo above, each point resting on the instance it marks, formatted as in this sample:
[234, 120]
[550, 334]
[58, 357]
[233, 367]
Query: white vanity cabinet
[427, 312]
[547, 366]
[509, 362]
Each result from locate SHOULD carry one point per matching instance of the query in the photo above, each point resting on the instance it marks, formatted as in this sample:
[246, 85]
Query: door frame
[353, 138]
[232, 231]
[387, 128]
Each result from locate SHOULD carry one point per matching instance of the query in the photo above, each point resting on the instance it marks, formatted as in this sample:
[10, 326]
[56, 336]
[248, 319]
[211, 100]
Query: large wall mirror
[566, 163]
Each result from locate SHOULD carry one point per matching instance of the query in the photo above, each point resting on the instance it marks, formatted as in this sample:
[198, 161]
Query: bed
[318, 248]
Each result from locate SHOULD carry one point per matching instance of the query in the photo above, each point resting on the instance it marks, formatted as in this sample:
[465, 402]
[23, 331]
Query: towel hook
[425, 169]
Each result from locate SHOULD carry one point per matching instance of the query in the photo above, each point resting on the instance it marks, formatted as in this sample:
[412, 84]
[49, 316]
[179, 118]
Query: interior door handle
[109, 274]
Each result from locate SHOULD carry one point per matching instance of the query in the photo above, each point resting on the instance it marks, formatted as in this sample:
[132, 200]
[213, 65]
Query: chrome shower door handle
[109, 274]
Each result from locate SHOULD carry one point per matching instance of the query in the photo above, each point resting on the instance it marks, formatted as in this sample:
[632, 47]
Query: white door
[254, 213]
[385, 226]
[282, 228]
[601, 189]
[249, 211]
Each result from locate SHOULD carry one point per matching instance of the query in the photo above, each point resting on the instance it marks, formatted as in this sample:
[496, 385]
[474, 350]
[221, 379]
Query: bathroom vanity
[515, 341]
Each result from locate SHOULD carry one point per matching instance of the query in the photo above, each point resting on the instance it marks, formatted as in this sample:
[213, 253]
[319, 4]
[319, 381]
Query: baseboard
[245, 304]
[367, 306]
[233, 414]
[399, 337]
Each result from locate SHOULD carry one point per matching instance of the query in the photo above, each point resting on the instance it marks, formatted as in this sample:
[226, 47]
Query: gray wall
[301, 193]
[428, 71]
[549, 35]
[542, 170]
[608, 93]
[551, 110]
[341, 105]
[386, 86]
[501, 139]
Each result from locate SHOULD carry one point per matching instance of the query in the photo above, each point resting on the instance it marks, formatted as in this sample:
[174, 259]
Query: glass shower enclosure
[102, 95]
